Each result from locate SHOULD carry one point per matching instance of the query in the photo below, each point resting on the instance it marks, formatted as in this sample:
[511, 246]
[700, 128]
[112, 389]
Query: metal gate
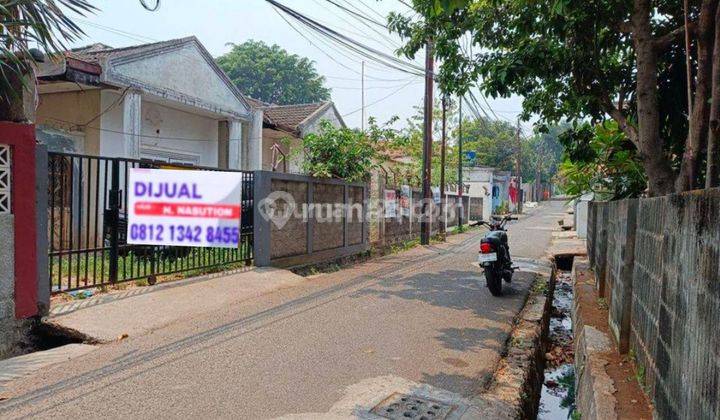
[87, 208]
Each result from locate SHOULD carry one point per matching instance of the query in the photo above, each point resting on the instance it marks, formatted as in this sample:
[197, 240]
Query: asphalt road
[423, 316]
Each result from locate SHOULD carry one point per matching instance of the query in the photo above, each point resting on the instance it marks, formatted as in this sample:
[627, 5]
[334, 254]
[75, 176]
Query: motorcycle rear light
[485, 248]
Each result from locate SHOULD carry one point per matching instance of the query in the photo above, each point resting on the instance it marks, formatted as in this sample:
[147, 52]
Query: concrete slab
[138, 311]
[360, 399]
[20, 366]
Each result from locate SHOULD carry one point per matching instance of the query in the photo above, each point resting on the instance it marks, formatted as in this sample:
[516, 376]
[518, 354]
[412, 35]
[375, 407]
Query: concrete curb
[595, 389]
[21, 366]
[515, 389]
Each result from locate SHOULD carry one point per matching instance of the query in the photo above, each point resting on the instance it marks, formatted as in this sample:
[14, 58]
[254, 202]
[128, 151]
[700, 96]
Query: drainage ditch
[45, 336]
[557, 397]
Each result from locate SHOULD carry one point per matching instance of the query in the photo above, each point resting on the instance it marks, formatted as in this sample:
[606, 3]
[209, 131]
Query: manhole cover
[403, 406]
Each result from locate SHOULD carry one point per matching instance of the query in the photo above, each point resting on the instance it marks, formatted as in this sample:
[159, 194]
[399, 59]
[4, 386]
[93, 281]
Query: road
[422, 316]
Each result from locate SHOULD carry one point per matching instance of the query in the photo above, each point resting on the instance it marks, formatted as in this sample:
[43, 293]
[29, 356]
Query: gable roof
[292, 117]
[105, 57]
[96, 53]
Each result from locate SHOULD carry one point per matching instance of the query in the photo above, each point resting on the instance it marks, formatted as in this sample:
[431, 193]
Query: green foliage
[600, 159]
[40, 23]
[340, 153]
[570, 60]
[271, 74]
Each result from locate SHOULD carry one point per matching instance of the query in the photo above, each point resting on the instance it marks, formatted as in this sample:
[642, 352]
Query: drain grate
[402, 406]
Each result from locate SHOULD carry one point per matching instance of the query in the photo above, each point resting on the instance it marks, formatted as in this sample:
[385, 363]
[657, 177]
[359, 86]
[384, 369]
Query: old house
[284, 127]
[165, 101]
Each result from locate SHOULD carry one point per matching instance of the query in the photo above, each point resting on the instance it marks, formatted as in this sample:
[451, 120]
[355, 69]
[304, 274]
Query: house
[165, 101]
[480, 182]
[284, 127]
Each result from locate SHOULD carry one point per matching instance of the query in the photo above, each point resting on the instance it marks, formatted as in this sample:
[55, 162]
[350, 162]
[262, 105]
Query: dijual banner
[184, 208]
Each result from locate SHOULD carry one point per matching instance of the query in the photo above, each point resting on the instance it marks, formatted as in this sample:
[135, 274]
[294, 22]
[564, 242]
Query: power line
[328, 55]
[351, 44]
[359, 15]
[384, 97]
[128, 133]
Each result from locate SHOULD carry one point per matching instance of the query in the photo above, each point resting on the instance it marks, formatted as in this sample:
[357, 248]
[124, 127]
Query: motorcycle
[494, 256]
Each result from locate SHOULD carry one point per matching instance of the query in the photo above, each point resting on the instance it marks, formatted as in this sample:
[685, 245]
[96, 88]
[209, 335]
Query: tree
[577, 60]
[342, 152]
[271, 74]
[605, 163]
[23, 23]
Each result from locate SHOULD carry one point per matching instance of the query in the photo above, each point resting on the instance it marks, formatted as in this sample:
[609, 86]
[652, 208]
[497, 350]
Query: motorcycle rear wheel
[493, 282]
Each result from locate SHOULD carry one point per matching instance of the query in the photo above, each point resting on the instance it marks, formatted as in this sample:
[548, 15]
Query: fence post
[345, 213]
[113, 219]
[41, 217]
[261, 225]
[621, 269]
[601, 243]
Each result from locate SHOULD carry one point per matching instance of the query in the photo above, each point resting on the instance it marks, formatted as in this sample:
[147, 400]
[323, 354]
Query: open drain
[402, 406]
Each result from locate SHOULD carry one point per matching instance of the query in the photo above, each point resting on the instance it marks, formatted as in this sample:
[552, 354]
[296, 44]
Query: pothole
[557, 397]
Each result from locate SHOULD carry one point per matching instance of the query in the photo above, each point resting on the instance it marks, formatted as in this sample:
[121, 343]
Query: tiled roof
[289, 117]
[256, 103]
[96, 52]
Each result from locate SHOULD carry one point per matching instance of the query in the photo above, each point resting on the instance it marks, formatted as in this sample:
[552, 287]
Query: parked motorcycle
[494, 256]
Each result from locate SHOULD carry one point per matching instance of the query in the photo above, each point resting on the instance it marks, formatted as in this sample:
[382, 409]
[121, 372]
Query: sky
[216, 23]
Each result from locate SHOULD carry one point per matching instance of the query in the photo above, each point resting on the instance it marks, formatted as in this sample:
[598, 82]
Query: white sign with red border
[184, 207]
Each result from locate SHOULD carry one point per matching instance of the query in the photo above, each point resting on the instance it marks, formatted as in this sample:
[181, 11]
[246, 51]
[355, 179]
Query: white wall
[329, 114]
[162, 130]
[480, 181]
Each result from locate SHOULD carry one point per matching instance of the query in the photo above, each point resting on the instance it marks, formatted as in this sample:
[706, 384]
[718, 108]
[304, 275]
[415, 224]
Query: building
[284, 127]
[480, 182]
[165, 101]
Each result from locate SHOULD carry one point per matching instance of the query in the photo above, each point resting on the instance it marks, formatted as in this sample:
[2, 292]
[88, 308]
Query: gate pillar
[18, 177]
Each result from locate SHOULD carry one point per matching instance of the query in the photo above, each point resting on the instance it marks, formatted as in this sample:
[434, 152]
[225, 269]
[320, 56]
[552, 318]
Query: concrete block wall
[674, 295]
[316, 230]
[9, 333]
[599, 228]
[622, 218]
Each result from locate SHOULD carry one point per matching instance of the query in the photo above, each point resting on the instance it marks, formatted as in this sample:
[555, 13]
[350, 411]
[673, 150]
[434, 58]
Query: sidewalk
[113, 316]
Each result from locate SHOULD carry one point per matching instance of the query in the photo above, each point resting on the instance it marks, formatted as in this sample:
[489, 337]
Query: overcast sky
[218, 22]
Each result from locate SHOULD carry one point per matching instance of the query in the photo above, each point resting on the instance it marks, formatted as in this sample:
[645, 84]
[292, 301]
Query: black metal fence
[87, 208]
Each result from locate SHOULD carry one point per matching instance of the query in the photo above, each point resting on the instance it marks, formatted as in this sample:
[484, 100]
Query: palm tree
[29, 30]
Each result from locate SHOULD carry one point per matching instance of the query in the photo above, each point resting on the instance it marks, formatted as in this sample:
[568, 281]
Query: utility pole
[518, 169]
[460, 164]
[442, 165]
[427, 145]
[362, 97]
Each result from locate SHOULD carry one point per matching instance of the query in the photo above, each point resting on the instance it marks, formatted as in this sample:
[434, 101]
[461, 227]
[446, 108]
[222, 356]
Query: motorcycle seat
[497, 236]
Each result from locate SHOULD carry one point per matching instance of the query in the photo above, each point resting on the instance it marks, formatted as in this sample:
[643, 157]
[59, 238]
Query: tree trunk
[712, 178]
[18, 105]
[650, 146]
[694, 145]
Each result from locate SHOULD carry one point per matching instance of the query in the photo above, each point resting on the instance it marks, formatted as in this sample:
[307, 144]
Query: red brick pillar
[17, 151]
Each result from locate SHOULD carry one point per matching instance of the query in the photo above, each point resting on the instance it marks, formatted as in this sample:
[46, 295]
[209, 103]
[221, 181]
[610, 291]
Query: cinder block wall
[8, 326]
[622, 222]
[315, 230]
[675, 296]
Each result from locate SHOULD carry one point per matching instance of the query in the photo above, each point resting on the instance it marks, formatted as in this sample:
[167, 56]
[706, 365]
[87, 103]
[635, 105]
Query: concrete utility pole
[518, 169]
[460, 163]
[442, 164]
[362, 97]
[427, 146]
